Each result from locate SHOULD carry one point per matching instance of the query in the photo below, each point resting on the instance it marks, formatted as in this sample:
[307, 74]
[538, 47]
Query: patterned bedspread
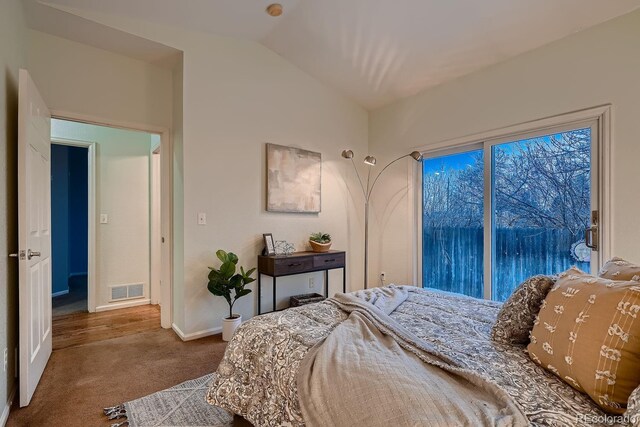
[257, 376]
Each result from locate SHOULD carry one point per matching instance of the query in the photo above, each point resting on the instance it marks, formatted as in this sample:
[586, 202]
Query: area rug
[182, 405]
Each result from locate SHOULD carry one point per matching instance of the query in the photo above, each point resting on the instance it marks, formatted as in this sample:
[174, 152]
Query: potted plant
[320, 242]
[225, 282]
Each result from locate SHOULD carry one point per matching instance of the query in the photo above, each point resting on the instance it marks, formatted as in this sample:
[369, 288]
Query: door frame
[599, 114]
[166, 203]
[91, 212]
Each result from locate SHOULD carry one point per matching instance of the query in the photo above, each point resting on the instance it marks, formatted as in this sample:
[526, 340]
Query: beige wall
[594, 67]
[237, 97]
[122, 192]
[74, 77]
[12, 34]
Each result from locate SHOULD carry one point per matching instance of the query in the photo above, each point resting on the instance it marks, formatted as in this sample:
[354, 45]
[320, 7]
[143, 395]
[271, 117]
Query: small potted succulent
[320, 242]
[223, 282]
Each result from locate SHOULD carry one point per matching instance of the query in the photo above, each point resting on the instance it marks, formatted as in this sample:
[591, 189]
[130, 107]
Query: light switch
[104, 219]
[202, 218]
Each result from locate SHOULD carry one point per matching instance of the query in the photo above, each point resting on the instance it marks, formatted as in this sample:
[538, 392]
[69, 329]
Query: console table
[300, 263]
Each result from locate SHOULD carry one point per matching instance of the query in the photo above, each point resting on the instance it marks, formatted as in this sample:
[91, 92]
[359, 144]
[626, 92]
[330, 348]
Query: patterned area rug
[181, 405]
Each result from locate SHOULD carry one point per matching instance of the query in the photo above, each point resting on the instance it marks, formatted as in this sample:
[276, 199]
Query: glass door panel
[452, 223]
[542, 196]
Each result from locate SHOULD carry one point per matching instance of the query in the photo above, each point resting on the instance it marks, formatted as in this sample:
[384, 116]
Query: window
[503, 210]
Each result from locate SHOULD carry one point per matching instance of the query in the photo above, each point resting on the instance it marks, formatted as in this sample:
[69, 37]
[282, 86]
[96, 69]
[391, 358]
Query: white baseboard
[195, 335]
[5, 412]
[125, 304]
[59, 293]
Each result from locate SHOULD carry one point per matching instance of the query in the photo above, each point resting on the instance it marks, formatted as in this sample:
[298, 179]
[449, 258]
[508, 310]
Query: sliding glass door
[452, 222]
[503, 210]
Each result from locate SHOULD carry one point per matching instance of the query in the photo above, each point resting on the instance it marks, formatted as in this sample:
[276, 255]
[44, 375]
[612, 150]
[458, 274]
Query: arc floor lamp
[371, 161]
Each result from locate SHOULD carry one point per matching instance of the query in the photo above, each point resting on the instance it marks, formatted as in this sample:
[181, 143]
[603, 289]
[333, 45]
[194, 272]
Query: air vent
[123, 292]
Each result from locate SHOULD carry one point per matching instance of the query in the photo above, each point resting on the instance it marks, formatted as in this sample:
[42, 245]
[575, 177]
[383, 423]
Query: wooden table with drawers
[300, 263]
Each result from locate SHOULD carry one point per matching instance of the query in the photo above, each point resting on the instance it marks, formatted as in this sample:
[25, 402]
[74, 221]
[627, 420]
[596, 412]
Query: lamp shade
[347, 154]
[370, 160]
[417, 156]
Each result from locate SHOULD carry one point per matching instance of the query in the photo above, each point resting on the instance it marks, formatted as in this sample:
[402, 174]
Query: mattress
[257, 376]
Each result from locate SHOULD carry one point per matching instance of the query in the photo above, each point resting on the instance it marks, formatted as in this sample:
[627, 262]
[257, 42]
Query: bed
[257, 378]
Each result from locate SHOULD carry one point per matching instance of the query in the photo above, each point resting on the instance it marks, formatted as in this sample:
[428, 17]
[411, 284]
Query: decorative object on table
[269, 245]
[304, 299]
[223, 282]
[371, 161]
[284, 248]
[320, 242]
[293, 179]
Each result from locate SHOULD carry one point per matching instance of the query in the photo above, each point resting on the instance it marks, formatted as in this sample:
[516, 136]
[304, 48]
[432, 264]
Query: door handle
[31, 254]
[591, 237]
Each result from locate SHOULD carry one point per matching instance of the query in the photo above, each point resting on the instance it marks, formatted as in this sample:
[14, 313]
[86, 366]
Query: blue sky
[462, 160]
[451, 161]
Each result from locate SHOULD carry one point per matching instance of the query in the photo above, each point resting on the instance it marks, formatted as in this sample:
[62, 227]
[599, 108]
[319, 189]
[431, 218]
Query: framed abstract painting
[293, 179]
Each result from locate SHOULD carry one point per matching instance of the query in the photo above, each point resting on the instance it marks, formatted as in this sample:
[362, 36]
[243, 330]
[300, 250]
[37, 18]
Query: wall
[239, 95]
[74, 77]
[12, 35]
[594, 67]
[69, 214]
[78, 210]
[122, 192]
[60, 218]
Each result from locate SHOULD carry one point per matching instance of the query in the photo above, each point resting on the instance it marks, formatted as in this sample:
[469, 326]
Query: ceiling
[373, 51]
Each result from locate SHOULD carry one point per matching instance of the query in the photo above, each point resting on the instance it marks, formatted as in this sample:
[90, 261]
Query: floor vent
[123, 292]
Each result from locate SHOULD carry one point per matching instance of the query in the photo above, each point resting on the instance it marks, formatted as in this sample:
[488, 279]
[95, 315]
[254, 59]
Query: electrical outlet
[312, 282]
[104, 218]
[382, 276]
[202, 218]
[6, 359]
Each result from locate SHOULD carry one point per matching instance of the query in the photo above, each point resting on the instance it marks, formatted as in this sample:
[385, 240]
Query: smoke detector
[274, 9]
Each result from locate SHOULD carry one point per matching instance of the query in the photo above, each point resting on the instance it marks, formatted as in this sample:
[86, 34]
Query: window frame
[597, 118]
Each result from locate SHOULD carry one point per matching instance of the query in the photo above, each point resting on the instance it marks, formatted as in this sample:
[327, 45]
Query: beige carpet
[80, 381]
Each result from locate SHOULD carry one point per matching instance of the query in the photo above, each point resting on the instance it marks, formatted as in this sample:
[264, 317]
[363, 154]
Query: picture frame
[294, 180]
[269, 244]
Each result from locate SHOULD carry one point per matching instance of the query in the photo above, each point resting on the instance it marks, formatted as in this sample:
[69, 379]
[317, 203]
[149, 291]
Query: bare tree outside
[541, 191]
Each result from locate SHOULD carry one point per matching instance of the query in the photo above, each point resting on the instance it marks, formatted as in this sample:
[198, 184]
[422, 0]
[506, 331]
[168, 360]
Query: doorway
[70, 228]
[121, 217]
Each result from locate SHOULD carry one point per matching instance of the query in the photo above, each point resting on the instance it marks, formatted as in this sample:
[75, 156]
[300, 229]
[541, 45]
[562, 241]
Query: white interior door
[34, 235]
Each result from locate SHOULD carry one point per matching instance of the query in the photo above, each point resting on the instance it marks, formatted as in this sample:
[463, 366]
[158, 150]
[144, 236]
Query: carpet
[181, 405]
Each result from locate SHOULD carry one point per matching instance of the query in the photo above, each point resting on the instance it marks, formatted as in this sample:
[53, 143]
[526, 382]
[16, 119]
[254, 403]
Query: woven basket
[320, 247]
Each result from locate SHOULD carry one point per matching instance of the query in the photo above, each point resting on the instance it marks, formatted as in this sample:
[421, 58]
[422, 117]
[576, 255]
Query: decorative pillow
[620, 269]
[516, 317]
[588, 334]
[633, 407]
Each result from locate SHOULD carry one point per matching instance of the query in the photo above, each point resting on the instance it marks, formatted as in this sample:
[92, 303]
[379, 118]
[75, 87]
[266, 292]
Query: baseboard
[125, 304]
[59, 293]
[195, 335]
[5, 412]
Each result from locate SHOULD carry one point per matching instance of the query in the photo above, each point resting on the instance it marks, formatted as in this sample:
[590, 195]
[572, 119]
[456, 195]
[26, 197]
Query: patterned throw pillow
[633, 407]
[620, 269]
[588, 334]
[516, 317]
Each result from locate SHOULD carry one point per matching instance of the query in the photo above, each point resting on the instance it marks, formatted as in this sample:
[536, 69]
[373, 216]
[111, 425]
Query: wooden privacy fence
[452, 257]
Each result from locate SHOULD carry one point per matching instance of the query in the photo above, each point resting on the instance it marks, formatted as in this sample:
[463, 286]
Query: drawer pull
[330, 260]
[297, 264]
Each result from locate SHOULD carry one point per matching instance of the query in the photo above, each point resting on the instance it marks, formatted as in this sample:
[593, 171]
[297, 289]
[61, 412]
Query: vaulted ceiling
[373, 51]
